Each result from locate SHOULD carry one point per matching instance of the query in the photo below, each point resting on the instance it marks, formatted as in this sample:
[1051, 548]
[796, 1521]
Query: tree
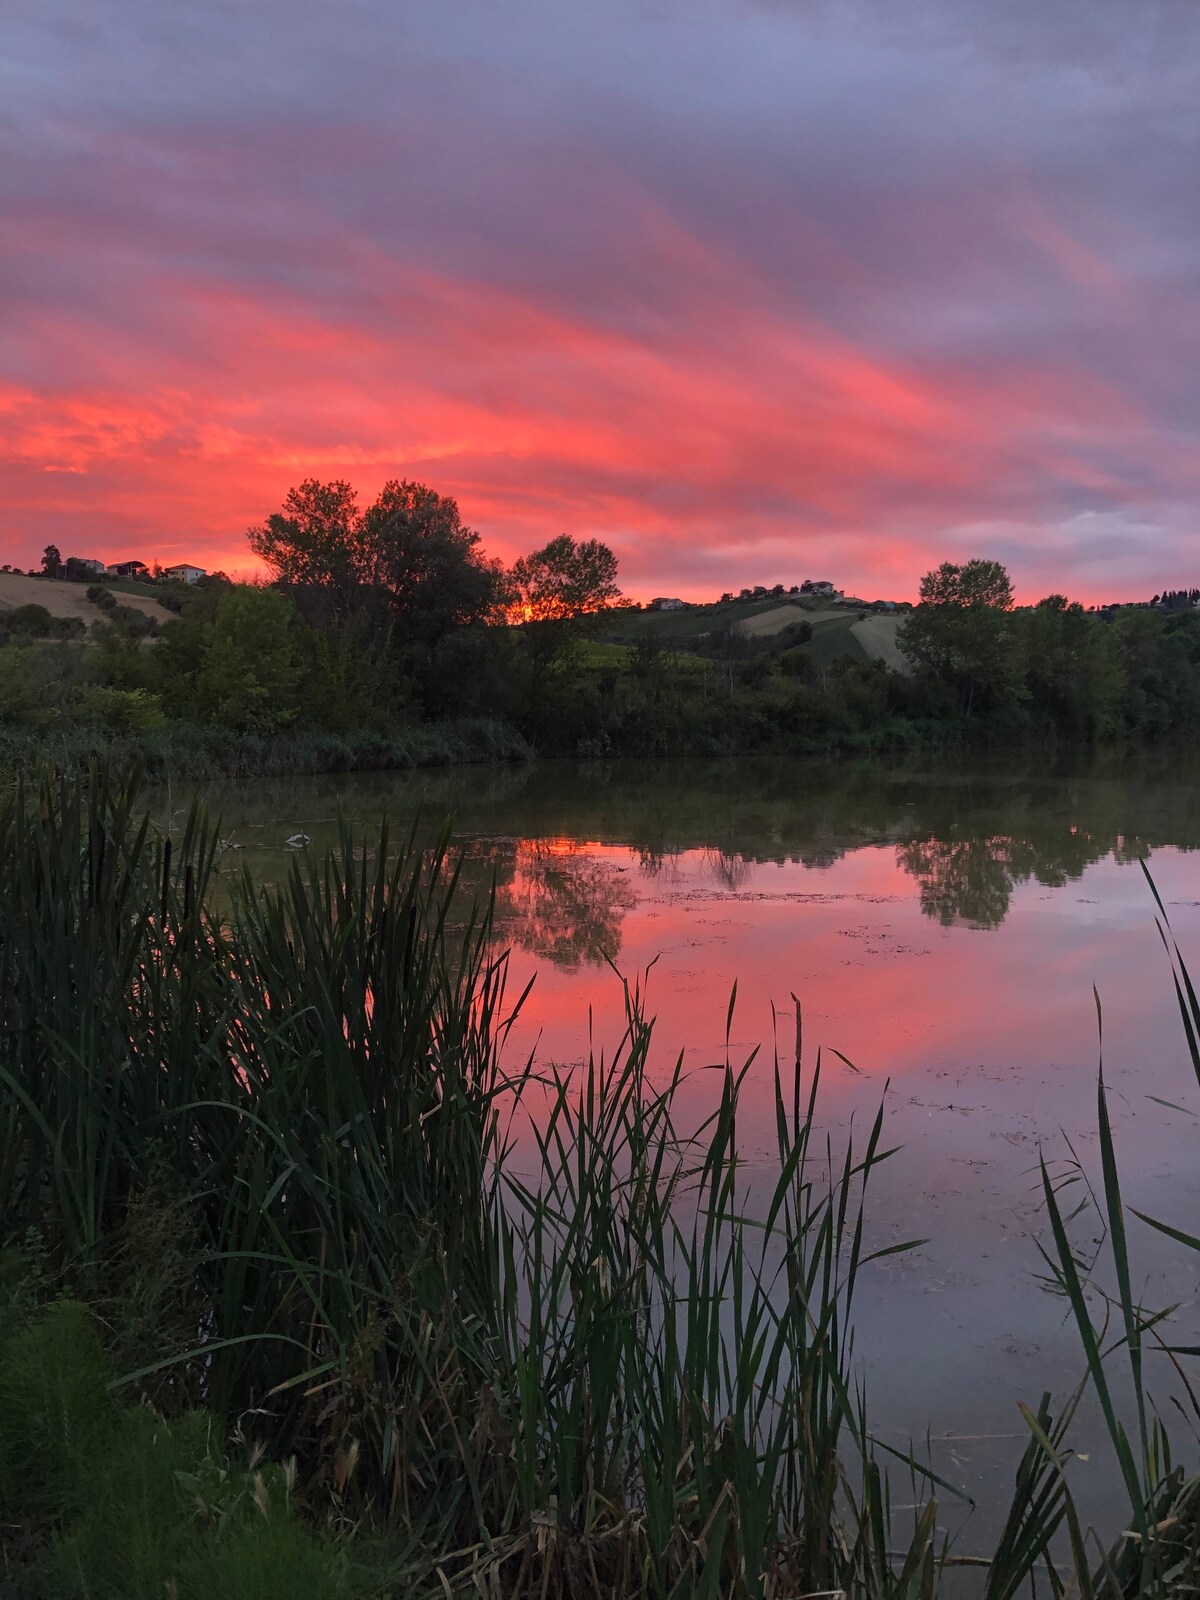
[51, 561]
[1072, 671]
[250, 666]
[408, 557]
[962, 632]
[565, 579]
[312, 542]
[978, 583]
[414, 552]
[350, 681]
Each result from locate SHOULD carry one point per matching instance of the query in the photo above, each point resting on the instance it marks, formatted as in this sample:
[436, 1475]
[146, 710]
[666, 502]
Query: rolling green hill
[832, 640]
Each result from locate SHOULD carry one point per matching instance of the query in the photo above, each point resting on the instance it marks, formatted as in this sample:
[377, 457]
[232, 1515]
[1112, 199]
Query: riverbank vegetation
[382, 624]
[306, 1290]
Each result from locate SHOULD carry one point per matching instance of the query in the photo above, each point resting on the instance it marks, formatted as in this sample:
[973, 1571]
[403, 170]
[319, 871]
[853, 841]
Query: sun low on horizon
[754, 292]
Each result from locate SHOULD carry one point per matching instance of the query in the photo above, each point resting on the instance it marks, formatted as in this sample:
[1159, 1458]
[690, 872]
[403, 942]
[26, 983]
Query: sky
[753, 290]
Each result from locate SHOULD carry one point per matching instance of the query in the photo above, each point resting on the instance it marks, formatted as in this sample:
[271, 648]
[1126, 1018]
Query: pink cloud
[678, 396]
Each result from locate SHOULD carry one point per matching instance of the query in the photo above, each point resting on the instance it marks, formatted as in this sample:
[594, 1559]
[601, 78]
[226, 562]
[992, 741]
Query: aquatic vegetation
[188, 752]
[531, 1330]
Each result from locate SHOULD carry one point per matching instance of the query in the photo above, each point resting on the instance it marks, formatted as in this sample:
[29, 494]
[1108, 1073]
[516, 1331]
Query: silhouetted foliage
[390, 617]
[408, 557]
[565, 579]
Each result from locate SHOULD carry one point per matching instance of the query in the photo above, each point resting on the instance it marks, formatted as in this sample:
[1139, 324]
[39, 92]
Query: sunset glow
[828, 293]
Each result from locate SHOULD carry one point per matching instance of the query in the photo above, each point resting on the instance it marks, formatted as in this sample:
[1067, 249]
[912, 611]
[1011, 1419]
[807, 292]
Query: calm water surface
[943, 930]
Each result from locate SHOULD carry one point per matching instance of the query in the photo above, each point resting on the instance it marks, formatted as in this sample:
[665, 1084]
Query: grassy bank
[186, 752]
[263, 1201]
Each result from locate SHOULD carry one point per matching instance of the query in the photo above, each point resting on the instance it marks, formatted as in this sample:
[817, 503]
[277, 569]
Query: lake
[942, 926]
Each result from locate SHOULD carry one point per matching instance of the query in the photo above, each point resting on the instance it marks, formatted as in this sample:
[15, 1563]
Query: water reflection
[858, 890]
[565, 904]
[571, 849]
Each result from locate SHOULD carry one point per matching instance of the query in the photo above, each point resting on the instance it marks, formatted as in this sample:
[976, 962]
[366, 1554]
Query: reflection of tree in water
[565, 904]
[727, 868]
[972, 880]
[653, 860]
[968, 837]
[961, 880]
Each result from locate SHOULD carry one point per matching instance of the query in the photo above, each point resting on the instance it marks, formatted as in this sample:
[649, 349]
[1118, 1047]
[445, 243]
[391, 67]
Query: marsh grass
[1127, 1348]
[189, 752]
[533, 1329]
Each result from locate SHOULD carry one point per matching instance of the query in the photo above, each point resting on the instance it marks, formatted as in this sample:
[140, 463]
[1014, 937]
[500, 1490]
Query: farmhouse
[662, 603]
[183, 572]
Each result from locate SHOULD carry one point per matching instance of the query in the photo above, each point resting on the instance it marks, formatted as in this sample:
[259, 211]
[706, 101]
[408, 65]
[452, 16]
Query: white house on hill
[185, 573]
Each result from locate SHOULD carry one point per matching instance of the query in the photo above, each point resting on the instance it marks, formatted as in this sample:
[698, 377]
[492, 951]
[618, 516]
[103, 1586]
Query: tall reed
[1157, 1555]
[563, 1348]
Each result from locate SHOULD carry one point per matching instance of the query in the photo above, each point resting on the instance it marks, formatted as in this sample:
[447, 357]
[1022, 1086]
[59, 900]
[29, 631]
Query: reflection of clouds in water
[565, 903]
[966, 841]
[562, 900]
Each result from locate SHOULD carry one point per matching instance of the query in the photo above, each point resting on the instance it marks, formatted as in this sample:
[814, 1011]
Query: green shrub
[32, 619]
[104, 1502]
[55, 1417]
[122, 710]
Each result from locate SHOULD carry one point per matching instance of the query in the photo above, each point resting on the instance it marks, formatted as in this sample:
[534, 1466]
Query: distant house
[128, 569]
[818, 586]
[183, 572]
[663, 603]
[90, 563]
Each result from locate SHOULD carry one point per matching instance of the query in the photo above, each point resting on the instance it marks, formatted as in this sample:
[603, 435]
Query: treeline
[1176, 599]
[1053, 668]
[380, 624]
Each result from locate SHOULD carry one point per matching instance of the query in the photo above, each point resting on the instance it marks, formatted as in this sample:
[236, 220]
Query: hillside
[70, 599]
[837, 633]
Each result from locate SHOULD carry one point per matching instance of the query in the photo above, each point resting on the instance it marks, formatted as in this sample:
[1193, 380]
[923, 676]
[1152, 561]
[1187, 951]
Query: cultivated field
[877, 635]
[766, 623]
[69, 599]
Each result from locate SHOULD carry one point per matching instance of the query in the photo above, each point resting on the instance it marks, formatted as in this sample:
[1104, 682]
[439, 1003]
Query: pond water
[942, 928]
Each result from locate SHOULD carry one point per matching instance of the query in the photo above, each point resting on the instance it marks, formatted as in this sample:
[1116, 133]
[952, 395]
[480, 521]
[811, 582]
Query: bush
[123, 710]
[22, 699]
[798, 663]
[32, 619]
[115, 1503]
